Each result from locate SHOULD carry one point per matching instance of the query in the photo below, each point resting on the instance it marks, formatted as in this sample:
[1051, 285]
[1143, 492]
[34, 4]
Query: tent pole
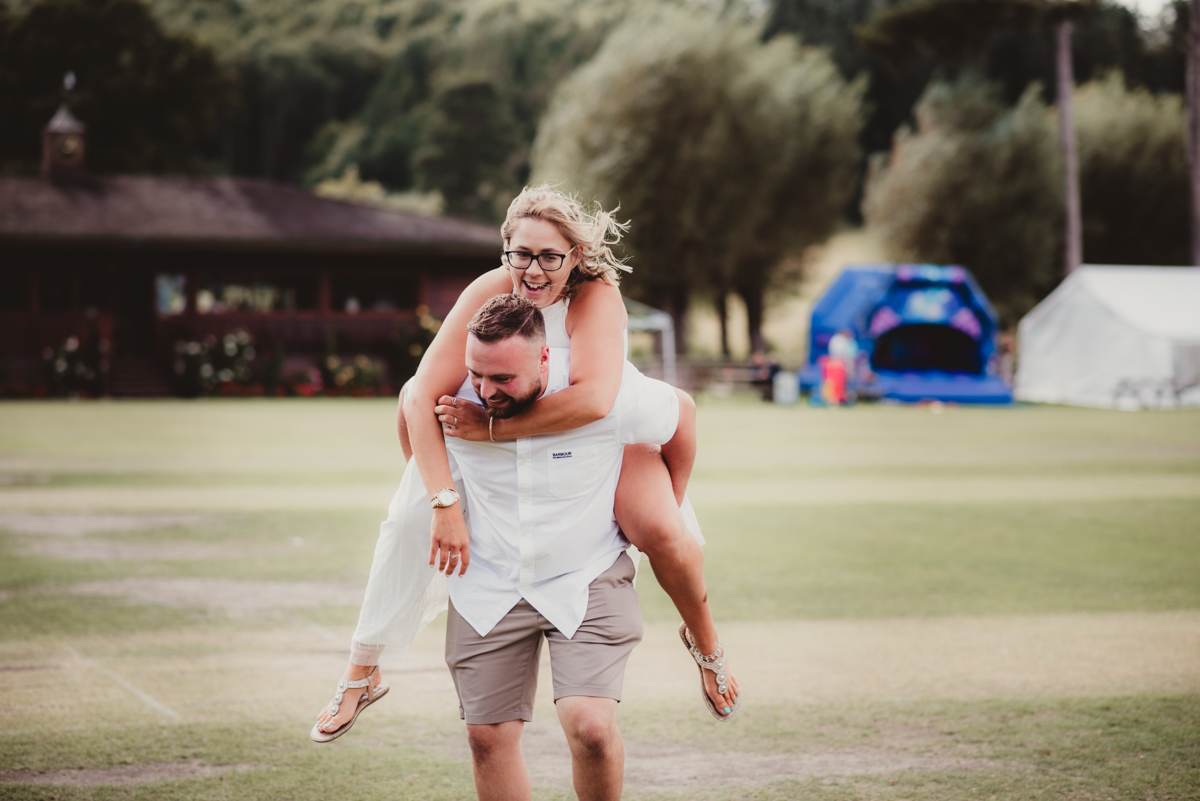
[668, 353]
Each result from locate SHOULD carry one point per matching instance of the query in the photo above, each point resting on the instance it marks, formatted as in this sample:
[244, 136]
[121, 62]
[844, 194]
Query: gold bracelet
[490, 419]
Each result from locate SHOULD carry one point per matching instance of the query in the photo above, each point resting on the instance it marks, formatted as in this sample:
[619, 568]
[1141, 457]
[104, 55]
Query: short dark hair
[505, 316]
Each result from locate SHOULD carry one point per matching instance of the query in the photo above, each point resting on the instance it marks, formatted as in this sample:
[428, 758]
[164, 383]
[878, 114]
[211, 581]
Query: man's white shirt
[540, 509]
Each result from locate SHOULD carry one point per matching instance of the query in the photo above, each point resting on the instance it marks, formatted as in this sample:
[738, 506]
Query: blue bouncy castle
[923, 332]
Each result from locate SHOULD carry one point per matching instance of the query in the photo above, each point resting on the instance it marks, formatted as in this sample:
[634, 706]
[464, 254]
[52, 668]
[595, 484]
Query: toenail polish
[726, 710]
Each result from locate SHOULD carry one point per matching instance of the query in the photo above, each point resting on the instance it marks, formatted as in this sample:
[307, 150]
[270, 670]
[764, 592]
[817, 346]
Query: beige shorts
[496, 675]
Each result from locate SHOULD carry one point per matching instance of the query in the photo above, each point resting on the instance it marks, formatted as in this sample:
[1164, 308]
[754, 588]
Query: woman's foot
[725, 703]
[327, 722]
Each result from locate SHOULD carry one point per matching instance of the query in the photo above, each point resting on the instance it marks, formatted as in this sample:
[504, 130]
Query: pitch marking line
[145, 697]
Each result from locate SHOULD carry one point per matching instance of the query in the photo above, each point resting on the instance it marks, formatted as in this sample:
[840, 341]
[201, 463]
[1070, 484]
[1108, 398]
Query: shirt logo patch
[560, 455]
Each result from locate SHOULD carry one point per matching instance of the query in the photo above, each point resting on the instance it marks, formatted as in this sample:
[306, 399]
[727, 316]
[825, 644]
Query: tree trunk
[1066, 127]
[753, 294]
[677, 298]
[722, 304]
[1193, 92]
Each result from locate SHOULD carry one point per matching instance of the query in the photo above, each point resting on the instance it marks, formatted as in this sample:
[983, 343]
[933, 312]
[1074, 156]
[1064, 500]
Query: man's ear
[545, 357]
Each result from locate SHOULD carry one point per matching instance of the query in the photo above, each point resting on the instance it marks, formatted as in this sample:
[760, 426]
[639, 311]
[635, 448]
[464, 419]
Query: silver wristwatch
[445, 497]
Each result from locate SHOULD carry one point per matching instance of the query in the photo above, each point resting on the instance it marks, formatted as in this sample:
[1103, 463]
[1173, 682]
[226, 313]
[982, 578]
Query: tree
[464, 145]
[1133, 167]
[975, 184]
[151, 101]
[1193, 93]
[725, 152]
[506, 56]
[961, 30]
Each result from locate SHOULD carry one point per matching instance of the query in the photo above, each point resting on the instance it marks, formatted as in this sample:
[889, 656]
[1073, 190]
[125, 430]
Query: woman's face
[535, 284]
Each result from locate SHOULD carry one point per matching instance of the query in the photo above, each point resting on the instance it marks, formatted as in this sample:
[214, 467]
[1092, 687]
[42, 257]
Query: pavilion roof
[219, 212]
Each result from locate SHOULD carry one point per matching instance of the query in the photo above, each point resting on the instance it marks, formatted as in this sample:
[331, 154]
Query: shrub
[1133, 174]
[977, 185]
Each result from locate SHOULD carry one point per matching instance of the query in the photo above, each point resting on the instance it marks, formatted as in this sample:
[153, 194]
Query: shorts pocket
[572, 468]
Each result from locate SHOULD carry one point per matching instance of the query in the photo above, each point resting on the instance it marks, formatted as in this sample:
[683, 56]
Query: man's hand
[449, 537]
[462, 419]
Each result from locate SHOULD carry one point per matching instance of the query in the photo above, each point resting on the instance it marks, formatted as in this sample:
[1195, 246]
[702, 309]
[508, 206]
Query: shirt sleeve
[648, 409]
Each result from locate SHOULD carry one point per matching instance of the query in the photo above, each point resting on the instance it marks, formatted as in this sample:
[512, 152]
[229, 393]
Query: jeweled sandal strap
[714, 662]
[345, 684]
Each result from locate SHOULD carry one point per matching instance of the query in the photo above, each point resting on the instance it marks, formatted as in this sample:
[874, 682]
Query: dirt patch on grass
[674, 767]
[126, 774]
[79, 525]
[226, 594]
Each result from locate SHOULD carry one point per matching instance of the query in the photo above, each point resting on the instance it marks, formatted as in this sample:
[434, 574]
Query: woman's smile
[537, 237]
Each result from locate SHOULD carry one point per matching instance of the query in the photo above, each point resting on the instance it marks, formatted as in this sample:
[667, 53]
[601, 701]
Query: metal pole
[1193, 92]
[1066, 128]
[668, 352]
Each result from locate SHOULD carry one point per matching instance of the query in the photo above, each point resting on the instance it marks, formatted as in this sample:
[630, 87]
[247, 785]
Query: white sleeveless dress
[404, 594]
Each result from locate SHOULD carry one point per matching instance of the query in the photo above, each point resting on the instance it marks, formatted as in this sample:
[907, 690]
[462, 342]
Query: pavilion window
[352, 294]
[215, 296]
[170, 292]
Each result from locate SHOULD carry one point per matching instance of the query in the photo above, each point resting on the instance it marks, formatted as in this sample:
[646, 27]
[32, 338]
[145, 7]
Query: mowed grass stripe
[896, 560]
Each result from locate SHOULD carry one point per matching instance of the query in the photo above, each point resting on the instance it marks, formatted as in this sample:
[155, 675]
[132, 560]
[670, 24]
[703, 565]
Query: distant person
[763, 370]
[1007, 357]
[843, 349]
[556, 255]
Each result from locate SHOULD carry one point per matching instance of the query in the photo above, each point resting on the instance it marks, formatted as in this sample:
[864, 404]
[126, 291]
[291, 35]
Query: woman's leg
[355, 672]
[649, 516]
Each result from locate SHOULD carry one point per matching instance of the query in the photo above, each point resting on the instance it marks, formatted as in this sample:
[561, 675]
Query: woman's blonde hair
[591, 232]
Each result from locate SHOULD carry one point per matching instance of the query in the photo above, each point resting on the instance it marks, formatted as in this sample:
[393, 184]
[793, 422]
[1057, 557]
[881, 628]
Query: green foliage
[1133, 174]
[978, 185]
[302, 64]
[464, 144]
[725, 152]
[958, 30]
[456, 109]
[151, 100]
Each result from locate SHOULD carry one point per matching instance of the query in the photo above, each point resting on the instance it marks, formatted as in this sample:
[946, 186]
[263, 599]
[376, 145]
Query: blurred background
[976, 212]
[283, 198]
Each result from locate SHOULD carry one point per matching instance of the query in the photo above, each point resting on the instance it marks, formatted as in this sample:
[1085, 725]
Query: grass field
[977, 603]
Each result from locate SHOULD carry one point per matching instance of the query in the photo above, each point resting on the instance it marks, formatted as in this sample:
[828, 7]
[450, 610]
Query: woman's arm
[596, 322]
[441, 372]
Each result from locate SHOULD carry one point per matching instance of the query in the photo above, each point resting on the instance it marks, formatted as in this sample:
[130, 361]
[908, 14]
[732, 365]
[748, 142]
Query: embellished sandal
[372, 695]
[714, 662]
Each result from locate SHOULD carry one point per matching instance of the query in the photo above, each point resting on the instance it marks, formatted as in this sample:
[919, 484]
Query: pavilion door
[133, 313]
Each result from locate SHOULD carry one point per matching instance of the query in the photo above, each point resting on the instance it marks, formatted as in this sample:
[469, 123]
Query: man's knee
[489, 740]
[592, 731]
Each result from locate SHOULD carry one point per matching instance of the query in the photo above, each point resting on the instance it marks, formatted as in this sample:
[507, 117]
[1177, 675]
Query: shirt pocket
[572, 469]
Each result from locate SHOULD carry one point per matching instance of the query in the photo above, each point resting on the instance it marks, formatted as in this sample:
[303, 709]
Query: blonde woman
[557, 254]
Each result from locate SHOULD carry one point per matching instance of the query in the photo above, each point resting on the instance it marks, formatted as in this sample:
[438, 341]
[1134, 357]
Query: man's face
[508, 375]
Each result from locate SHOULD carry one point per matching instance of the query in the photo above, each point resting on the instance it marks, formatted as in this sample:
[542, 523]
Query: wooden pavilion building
[136, 264]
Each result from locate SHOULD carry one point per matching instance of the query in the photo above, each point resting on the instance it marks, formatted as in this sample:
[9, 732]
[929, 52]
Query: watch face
[445, 497]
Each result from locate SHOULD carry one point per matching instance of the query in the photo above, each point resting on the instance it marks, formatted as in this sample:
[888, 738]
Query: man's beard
[514, 406]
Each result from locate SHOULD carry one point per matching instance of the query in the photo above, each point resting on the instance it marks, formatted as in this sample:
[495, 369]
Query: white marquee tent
[1124, 337]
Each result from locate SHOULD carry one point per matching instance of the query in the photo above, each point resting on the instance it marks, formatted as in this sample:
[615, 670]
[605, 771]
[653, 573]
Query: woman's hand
[449, 536]
[462, 419]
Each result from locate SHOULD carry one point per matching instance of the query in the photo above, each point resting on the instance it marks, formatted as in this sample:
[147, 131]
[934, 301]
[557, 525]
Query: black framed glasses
[521, 259]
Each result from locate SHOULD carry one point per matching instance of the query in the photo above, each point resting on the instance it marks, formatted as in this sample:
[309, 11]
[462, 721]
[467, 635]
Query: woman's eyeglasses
[549, 262]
